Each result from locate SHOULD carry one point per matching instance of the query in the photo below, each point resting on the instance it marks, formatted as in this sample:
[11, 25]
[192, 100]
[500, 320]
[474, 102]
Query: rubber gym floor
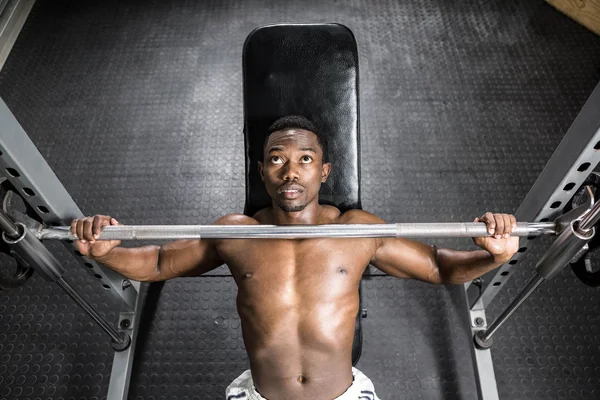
[137, 106]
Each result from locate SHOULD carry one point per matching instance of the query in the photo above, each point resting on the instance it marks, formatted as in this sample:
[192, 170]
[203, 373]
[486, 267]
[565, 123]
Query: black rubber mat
[137, 106]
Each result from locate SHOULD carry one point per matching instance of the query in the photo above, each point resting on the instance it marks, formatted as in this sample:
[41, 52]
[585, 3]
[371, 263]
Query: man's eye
[306, 159]
[276, 160]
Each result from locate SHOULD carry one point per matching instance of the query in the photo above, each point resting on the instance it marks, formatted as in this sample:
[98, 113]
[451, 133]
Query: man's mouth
[290, 191]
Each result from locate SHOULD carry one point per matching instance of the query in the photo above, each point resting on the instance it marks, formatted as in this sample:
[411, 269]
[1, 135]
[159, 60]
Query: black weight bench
[309, 70]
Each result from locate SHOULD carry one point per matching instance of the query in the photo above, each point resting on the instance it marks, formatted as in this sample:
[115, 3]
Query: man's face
[293, 168]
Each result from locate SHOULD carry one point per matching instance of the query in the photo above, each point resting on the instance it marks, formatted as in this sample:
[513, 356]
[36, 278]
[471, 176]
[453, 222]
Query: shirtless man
[298, 299]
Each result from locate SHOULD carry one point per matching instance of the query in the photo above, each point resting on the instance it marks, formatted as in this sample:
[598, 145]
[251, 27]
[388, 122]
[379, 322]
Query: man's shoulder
[359, 217]
[263, 216]
[236, 219]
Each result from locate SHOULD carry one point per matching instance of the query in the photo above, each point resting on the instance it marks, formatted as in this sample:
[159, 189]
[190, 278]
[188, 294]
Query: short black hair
[298, 122]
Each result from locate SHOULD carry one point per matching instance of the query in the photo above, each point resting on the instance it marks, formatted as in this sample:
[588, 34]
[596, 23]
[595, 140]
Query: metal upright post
[28, 172]
[13, 15]
[575, 157]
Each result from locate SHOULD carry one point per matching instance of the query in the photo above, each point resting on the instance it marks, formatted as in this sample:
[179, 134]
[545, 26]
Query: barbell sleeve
[400, 230]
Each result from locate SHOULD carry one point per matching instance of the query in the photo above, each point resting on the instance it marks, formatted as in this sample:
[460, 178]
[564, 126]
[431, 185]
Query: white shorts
[243, 388]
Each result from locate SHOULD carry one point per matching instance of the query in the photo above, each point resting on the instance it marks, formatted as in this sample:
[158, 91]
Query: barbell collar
[8, 227]
[34, 254]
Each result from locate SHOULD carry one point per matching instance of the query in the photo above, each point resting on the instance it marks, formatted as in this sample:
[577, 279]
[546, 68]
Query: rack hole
[513, 262]
[77, 253]
[556, 204]
[88, 265]
[596, 147]
[584, 167]
[569, 186]
[13, 172]
[544, 220]
[106, 286]
[531, 237]
[504, 273]
[522, 249]
[28, 191]
[43, 210]
[97, 276]
[497, 283]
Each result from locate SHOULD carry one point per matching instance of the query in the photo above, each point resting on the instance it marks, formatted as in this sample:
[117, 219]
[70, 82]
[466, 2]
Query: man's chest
[285, 260]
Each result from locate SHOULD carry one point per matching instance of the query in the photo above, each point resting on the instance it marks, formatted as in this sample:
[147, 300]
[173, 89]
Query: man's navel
[247, 275]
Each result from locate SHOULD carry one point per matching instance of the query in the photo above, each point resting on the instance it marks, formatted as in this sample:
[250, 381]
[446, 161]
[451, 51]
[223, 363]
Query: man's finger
[74, 227]
[499, 226]
[80, 230]
[488, 218]
[508, 227]
[87, 229]
[99, 222]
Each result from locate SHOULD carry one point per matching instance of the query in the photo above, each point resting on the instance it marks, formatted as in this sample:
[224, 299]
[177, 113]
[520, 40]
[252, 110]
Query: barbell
[14, 233]
[399, 230]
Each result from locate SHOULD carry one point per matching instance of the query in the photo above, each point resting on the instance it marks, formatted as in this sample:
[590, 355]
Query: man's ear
[325, 170]
[260, 170]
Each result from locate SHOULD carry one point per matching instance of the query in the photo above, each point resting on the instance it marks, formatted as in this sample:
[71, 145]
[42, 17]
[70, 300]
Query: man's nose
[290, 172]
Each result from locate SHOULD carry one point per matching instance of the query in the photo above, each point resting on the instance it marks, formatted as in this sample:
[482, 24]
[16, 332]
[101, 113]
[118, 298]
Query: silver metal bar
[408, 230]
[566, 247]
[523, 295]
[106, 327]
[3, 4]
[13, 17]
[575, 157]
[8, 226]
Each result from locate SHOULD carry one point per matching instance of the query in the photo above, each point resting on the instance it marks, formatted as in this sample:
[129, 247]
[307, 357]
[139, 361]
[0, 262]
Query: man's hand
[501, 246]
[87, 230]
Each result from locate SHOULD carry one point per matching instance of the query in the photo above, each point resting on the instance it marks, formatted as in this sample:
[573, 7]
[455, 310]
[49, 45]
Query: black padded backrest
[309, 70]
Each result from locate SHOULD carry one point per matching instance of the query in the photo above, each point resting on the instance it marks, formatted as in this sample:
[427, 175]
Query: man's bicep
[401, 258]
[405, 258]
[188, 258]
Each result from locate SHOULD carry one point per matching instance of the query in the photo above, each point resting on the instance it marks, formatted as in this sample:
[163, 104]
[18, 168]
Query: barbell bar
[399, 230]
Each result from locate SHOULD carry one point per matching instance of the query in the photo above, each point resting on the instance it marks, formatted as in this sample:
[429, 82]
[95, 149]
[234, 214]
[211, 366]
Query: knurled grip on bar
[401, 230]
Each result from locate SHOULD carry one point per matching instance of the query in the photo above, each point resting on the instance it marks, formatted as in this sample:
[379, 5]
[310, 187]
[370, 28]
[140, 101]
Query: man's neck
[309, 216]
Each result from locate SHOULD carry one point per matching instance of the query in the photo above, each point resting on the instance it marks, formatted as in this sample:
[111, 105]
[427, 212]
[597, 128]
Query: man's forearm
[457, 267]
[138, 263]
